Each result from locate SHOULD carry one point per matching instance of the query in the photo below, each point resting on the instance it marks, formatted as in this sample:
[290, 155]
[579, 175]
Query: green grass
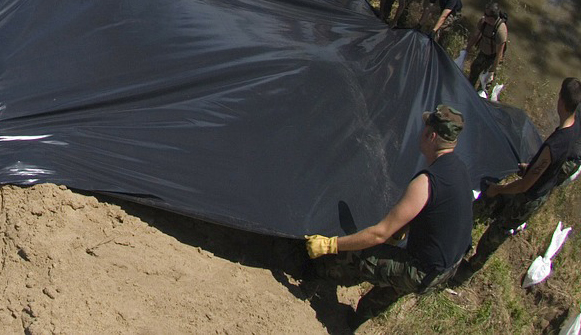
[494, 302]
[443, 312]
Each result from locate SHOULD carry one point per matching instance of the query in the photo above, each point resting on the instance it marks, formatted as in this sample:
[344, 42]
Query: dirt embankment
[72, 264]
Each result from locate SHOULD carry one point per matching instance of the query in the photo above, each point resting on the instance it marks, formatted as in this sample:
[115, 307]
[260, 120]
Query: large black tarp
[267, 115]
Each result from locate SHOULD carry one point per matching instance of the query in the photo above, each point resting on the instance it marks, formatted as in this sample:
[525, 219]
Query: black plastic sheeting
[269, 116]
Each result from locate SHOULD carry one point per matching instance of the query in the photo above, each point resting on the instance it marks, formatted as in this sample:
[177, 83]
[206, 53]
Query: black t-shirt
[575, 153]
[441, 233]
[560, 144]
[454, 5]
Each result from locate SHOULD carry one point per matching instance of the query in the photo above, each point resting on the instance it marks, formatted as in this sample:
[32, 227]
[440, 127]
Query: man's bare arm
[528, 180]
[442, 18]
[412, 202]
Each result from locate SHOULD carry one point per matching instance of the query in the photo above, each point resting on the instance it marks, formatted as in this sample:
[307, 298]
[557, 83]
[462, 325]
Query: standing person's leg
[385, 8]
[485, 209]
[481, 64]
[401, 14]
[429, 10]
[515, 211]
[490, 241]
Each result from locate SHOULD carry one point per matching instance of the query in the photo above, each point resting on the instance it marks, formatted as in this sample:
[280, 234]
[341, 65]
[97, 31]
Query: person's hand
[319, 245]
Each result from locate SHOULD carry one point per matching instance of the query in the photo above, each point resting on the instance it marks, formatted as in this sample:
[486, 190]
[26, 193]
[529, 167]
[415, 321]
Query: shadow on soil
[285, 258]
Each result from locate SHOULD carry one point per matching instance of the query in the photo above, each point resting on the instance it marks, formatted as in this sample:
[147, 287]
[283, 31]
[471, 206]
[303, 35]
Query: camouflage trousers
[392, 271]
[480, 64]
[385, 8]
[507, 213]
[508, 210]
[568, 169]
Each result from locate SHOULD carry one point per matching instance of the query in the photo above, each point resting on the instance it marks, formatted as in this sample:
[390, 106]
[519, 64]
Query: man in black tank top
[510, 205]
[436, 209]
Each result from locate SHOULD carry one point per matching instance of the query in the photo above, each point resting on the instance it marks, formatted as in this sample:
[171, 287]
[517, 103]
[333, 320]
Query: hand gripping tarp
[269, 116]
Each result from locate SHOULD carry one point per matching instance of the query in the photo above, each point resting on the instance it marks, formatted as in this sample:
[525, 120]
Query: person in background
[436, 207]
[491, 36]
[449, 12]
[510, 205]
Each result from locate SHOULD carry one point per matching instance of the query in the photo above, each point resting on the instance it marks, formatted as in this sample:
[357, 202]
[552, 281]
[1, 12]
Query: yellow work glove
[319, 245]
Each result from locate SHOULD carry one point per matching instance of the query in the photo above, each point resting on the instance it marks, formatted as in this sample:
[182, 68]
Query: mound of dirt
[73, 264]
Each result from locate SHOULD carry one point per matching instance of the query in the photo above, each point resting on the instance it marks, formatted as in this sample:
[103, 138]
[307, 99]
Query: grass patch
[493, 302]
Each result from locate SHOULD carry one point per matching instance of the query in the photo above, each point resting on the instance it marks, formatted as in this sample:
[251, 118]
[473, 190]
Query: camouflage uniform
[507, 212]
[392, 270]
[480, 64]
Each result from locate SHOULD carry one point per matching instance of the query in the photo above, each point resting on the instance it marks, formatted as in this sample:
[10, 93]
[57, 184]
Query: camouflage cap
[446, 121]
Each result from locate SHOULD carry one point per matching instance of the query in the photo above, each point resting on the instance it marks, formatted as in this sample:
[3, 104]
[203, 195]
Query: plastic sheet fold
[279, 117]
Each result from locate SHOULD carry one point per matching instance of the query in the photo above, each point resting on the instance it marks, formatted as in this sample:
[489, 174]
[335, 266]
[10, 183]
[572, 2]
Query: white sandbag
[572, 326]
[539, 270]
[461, 59]
[495, 92]
[559, 236]
[541, 267]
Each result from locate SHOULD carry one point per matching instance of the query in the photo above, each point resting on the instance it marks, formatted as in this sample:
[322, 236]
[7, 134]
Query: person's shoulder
[572, 130]
[503, 27]
[502, 31]
[561, 134]
[447, 161]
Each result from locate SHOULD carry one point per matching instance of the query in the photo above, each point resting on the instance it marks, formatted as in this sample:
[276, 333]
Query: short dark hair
[492, 9]
[570, 94]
